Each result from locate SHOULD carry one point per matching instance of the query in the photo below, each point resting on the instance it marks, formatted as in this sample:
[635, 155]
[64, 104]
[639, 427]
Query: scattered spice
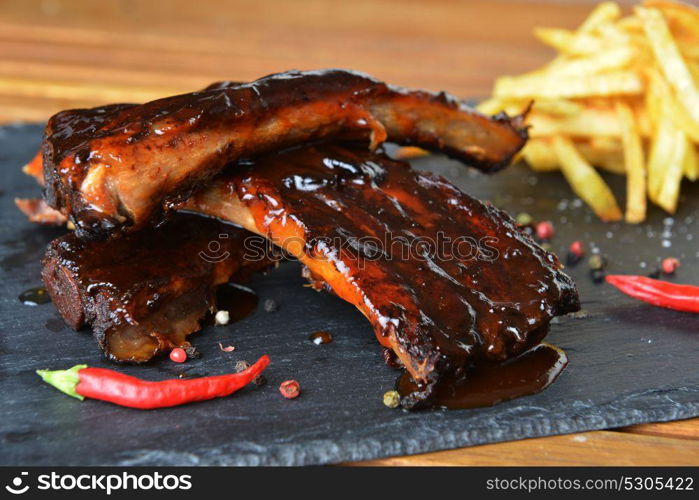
[670, 265]
[178, 355]
[270, 305]
[290, 389]
[391, 399]
[581, 314]
[544, 230]
[654, 274]
[228, 348]
[577, 248]
[109, 385]
[242, 365]
[222, 317]
[192, 352]
[597, 261]
[524, 219]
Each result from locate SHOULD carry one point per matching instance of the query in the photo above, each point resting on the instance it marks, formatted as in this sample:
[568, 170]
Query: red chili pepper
[114, 387]
[659, 293]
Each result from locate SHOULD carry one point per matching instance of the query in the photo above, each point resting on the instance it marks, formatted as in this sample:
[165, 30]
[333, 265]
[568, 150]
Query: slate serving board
[629, 362]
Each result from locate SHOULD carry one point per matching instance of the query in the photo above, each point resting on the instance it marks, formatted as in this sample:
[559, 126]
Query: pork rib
[144, 293]
[443, 278]
[117, 166]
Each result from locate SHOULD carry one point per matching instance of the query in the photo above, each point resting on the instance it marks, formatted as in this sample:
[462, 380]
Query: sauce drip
[321, 337]
[239, 301]
[488, 384]
[35, 296]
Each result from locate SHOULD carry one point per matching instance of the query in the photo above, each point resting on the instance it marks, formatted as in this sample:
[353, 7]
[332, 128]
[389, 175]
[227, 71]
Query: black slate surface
[629, 362]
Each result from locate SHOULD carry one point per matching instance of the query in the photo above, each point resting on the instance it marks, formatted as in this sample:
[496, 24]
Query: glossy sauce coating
[143, 294]
[488, 383]
[443, 278]
[116, 167]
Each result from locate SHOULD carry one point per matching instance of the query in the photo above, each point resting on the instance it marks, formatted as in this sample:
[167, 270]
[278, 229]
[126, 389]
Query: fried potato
[635, 166]
[622, 94]
[540, 156]
[691, 162]
[585, 180]
[669, 189]
[564, 87]
[670, 59]
[598, 122]
[570, 43]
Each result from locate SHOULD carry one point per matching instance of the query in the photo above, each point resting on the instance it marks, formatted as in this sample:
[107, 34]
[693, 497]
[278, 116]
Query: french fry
[558, 107]
[670, 60]
[691, 162]
[537, 86]
[682, 15]
[585, 180]
[611, 59]
[635, 167]
[622, 94]
[540, 156]
[491, 106]
[603, 13]
[599, 122]
[570, 43]
[669, 191]
[609, 159]
[661, 146]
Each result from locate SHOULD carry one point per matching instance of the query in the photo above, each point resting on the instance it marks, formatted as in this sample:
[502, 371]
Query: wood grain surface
[57, 54]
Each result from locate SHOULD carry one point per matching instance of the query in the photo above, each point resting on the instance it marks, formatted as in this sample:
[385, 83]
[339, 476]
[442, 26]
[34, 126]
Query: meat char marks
[444, 279]
[144, 293]
[116, 167]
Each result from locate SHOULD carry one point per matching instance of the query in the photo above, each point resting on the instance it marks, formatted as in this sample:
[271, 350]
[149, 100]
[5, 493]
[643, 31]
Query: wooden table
[57, 54]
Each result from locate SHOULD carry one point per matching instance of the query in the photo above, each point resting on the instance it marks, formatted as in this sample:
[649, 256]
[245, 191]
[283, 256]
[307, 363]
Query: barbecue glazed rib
[144, 293]
[117, 166]
[486, 291]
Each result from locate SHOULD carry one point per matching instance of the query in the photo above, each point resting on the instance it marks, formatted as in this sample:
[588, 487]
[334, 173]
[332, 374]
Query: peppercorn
[192, 352]
[290, 389]
[391, 399]
[670, 265]
[242, 365]
[544, 230]
[577, 248]
[597, 275]
[524, 219]
[178, 355]
[270, 305]
[597, 261]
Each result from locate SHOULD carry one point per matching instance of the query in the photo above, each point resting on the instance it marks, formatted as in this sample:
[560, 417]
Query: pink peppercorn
[544, 230]
[670, 265]
[577, 248]
[178, 355]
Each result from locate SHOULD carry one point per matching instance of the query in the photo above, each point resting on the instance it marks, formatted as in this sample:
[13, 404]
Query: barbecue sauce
[239, 301]
[34, 296]
[489, 383]
[321, 337]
